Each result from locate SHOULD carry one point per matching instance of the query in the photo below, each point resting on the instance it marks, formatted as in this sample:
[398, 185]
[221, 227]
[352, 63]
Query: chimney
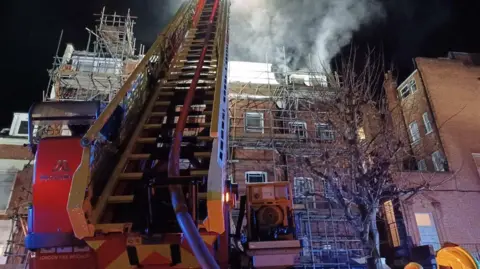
[390, 85]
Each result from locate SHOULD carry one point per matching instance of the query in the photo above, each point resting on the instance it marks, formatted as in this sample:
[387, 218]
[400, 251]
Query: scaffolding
[98, 71]
[15, 250]
[272, 125]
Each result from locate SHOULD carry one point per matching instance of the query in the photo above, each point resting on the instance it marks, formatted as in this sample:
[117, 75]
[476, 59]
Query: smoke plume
[153, 16]
[311, 31]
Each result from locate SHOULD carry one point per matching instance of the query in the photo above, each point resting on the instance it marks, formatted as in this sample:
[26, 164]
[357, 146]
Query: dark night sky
[31, 29]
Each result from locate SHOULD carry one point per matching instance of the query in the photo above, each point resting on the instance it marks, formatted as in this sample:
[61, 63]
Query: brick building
[15, 179]
[271, 127]
[438, 108]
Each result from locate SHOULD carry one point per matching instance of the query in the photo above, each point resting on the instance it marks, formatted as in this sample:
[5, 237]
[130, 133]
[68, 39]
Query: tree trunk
[375, 240]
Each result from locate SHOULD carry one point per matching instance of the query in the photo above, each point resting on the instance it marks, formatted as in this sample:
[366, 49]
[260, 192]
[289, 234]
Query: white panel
[5, 229]
[427, 230]
[223, 118]
[19, 120]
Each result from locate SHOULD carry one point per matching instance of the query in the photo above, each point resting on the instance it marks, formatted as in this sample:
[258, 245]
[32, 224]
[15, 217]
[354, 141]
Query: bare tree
[358, 165]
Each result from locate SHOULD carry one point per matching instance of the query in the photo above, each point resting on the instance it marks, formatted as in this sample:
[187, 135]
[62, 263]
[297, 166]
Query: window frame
[311, 186]
[265, 175]
[260, 129]
[294, 130]
[412, 85]
[419, 216]
[318, 133]
[18, 118]
[232, 180]
[435, 155]
[427, 123]
[424, 165]
[414, 123]
[391, 221]
[408, 88]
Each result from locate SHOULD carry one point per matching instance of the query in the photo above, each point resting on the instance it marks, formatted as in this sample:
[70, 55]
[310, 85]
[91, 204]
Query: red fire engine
[111, 188]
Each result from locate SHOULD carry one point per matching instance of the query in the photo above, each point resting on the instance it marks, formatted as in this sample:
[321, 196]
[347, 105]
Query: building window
[414, 132]
[232, 179]
[427, 123]
[256, 177]
[391, 223]
[7, 179]
[438, 161]
[427, 230]
[304, 192]
[19, 125]
[361, 133]
[303, 187]
[254, 122]
[410, 87]
[299, 128]
[422, 165]
[325, 132]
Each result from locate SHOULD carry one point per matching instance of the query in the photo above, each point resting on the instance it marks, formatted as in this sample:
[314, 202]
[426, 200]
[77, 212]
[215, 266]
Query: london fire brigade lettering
[65, 257]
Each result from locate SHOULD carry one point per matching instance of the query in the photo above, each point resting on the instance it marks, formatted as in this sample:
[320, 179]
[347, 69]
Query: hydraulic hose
[185, 221]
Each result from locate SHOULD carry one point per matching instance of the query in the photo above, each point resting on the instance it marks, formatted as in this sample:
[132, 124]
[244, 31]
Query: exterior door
[427, 230]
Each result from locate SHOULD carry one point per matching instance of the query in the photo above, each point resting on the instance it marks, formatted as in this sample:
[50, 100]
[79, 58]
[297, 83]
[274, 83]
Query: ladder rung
[199, 172]
[139, 175]
[120, 199]
[131, 176]
[172, 93]
[159, 125]
[149, 140]
[162, 103]
[164, 113]
[158, 114]
[146, 156]
[139, 156]
[153, 126]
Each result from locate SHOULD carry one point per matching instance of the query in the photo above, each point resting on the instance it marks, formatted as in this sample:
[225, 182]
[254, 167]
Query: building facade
[15, 178]
[271, 129]
[437, 106]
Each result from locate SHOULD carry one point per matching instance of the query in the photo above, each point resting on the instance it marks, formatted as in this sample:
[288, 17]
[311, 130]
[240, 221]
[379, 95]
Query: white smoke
[313, 31]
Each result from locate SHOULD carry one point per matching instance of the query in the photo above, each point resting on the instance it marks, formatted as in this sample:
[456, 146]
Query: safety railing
[99, 150]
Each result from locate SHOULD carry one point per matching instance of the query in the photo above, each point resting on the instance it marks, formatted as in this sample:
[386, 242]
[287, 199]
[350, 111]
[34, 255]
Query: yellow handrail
[79, 206]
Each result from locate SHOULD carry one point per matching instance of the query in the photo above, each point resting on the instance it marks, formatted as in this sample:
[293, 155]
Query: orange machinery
[271, 240]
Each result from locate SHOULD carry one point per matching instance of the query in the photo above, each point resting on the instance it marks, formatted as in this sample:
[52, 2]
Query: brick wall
[453, 90]
[14, 152]
[449, 91]
[455, 214]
